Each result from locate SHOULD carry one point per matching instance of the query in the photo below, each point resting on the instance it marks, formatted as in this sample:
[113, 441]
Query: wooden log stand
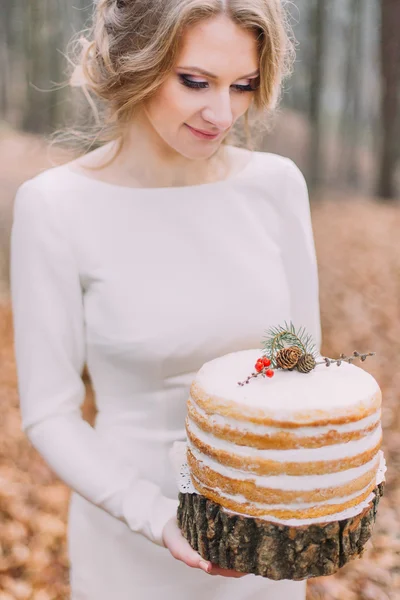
[252, 545]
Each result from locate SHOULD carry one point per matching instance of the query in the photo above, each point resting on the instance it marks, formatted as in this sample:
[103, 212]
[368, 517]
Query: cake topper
[288, 349]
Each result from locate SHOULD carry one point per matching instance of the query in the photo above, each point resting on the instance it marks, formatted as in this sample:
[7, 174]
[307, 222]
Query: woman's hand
[182, 550]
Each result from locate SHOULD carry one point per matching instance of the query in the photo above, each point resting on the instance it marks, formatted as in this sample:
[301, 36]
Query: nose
[219, 111]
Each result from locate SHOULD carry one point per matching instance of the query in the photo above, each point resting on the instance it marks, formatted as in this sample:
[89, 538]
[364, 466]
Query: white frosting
[298, 455]
[183, 476]
[290, 397]
[246, 426]
[287, 482]
[324, 389]
[240, 499]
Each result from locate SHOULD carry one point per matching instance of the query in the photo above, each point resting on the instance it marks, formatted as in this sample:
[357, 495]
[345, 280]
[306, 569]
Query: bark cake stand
[276, 551]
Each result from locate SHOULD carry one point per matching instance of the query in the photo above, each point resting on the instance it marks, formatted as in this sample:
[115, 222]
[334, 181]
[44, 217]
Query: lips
[203, 134]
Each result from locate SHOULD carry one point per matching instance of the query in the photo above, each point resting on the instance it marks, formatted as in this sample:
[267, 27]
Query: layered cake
[283, 459]
[292, 448]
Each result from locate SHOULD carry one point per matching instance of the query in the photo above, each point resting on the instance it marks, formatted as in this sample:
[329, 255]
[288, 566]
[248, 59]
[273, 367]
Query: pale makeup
[211, 86]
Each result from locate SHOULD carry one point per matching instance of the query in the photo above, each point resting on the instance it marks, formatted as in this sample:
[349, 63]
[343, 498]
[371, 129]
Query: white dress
[145, 285]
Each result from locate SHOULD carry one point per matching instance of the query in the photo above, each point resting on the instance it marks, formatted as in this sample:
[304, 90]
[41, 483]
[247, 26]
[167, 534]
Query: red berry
[266, 361]
[259, 366]
[270, 373]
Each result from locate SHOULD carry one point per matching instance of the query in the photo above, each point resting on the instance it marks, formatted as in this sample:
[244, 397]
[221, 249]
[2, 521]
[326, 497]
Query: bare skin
[161, 150]
[182, 550]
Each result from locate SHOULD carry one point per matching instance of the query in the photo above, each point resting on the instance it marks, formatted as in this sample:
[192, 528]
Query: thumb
[181, 549]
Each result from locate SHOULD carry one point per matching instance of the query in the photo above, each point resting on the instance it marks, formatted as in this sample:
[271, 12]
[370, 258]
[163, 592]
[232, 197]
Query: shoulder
[281, 166]
[278, 176]
[48, 187]
[46, 181]
[42, 196]
[281, 180]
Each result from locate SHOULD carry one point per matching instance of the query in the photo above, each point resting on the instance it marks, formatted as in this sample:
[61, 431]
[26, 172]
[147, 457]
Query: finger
[183, 551]
[197, 562]
[191, 558]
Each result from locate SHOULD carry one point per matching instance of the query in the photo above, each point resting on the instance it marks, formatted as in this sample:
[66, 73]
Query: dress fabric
[144, 286]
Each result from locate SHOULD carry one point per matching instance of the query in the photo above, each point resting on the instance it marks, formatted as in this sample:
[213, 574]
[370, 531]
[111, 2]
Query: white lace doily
[177, 457]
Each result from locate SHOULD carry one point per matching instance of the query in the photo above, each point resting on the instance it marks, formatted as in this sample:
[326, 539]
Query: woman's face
[211, 102]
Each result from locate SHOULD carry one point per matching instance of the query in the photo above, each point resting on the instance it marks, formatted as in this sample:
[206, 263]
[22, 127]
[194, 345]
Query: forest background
[340, 122]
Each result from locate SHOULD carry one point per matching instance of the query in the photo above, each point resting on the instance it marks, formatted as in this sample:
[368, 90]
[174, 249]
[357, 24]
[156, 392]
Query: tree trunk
[318, 22]
[353, 85]
[34, 40]
[390, 69]
[5, 80]
[251, 545]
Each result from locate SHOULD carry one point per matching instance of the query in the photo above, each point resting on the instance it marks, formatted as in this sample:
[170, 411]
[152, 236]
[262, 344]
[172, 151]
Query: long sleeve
[49, 345]
[300, 254]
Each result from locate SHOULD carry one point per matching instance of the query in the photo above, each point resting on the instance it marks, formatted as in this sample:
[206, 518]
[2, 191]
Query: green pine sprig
[277, 338]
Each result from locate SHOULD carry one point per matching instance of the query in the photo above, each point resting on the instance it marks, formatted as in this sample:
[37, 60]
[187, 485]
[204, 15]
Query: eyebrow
[211, 75]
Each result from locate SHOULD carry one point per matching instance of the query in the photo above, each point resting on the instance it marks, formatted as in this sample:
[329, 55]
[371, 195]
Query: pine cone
[306, 363]
[287, 357]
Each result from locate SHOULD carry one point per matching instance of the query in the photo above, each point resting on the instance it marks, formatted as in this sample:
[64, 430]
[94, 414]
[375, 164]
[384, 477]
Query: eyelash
[203, 84]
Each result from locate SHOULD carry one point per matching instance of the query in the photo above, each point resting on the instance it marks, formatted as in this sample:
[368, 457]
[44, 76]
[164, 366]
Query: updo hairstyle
[132, 45]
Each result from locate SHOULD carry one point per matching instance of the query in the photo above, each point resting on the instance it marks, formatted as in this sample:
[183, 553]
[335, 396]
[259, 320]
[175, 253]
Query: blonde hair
[132, 45]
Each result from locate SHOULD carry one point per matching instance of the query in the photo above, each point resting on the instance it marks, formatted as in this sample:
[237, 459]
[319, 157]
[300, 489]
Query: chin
[194, 153]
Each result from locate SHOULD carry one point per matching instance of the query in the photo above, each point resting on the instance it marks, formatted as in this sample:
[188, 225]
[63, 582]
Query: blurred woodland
[340, 121]
[344, 88]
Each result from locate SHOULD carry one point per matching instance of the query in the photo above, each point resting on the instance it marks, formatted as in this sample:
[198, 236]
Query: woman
[157, 251]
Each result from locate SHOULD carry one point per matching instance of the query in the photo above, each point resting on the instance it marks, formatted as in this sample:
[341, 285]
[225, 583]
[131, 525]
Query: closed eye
[185, 80]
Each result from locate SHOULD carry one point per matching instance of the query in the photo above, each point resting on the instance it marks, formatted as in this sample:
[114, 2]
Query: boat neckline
[238, 175]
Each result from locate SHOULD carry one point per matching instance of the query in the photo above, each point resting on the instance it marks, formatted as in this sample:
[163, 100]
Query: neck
[147, 159]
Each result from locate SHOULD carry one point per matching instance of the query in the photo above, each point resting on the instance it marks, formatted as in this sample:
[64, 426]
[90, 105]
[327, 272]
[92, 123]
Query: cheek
[174, 103]
[241, 102]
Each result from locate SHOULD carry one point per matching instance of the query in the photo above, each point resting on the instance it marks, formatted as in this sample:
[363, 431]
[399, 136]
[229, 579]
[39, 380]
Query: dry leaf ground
[358, 250]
